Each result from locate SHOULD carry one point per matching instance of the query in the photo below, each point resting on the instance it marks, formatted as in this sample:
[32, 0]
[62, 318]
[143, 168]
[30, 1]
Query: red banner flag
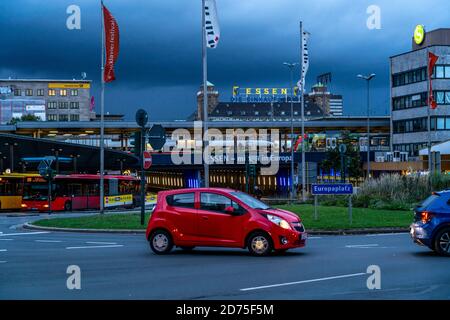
[432, 59]
[111, 44]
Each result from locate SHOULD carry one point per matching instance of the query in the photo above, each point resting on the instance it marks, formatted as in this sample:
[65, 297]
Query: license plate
[304, 236]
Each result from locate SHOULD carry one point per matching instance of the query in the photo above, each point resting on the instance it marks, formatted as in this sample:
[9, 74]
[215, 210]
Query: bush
[392, 192]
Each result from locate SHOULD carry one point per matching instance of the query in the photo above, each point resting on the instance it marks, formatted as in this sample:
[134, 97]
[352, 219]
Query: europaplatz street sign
[332, 189]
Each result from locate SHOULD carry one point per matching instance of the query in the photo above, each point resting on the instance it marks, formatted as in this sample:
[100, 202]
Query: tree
[24, 117]
[352, 160]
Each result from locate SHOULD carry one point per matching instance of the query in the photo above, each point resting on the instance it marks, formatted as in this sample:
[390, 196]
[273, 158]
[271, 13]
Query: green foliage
[24, 117]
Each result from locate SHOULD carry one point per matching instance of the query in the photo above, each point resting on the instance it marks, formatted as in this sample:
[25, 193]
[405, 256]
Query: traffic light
[137, 143]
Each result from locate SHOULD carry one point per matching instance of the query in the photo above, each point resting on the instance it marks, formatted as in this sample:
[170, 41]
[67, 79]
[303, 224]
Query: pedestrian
[258, 192]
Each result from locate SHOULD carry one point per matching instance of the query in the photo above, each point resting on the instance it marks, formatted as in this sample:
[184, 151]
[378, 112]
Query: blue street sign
[329, 189]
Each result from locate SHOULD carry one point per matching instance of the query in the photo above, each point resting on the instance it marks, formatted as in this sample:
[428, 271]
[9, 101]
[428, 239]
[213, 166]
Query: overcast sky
[159, 66]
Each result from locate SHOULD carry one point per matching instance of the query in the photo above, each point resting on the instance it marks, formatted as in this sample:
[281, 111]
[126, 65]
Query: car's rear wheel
[442, 242]
[259, 244]
[161, 242]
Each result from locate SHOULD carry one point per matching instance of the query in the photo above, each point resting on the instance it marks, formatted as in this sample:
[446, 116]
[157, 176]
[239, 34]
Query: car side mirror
[229, 210]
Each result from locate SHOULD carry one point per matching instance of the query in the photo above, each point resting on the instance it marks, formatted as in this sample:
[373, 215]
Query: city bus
[80, 191]
[11, 190]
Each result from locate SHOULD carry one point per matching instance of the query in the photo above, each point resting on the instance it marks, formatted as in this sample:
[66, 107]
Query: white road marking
[3, 250]
[386, 234]
[23, 233]
[94, 242]
[304, 281]
[314, 238]
[2, 261]
[48, 241]
[6, 239]
[92, 247]
[361, 245]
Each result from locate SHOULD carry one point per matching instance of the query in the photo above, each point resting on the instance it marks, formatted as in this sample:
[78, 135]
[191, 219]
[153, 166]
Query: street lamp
[291, 67]
[368, 78]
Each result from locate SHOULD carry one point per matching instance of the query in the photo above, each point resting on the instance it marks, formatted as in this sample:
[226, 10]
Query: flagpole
[102, 124]
[302, 80]
[205, 97]
[429, 115]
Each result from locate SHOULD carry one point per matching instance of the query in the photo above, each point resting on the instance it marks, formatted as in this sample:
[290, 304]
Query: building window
[410, 101]
[439, 72]
[52, 117]
[411, 125]
[74, 117]
[63, 117]
[51, 92]
[17, 92]
[74, 92]
[63, 105]
[40, 92]
[51, 105]
[63, 92]
[74, 105]
[442, 97]
[408, 77]
[29, 92]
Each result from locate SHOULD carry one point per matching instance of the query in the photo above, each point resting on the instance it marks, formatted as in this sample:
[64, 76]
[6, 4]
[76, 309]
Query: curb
[342, 232]
[126, 231]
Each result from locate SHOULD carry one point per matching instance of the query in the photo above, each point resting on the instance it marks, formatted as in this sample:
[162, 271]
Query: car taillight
[426, 216]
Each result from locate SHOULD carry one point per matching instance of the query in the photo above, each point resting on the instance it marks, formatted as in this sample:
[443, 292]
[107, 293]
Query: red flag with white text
[432, 59]
[111, 44]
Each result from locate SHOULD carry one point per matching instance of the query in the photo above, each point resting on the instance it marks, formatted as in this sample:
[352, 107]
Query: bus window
[113, 187]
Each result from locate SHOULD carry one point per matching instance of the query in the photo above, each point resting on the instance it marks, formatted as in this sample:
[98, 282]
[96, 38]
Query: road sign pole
[142, 176]
[350, 213]
[316, 216]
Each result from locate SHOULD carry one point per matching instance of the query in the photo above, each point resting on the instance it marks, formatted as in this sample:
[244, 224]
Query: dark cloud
[159, 66]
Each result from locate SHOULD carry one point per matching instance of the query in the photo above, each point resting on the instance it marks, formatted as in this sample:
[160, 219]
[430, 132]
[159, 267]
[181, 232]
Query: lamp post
[367, 79]
[291, 67]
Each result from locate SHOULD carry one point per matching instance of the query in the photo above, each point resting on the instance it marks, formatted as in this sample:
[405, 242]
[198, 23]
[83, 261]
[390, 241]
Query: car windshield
[250, 201]
[429, 201]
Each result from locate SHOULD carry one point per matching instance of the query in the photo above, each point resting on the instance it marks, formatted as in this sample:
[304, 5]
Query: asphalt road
[114, 266]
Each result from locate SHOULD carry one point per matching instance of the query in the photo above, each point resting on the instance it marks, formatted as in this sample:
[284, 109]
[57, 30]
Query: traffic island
[331, 221]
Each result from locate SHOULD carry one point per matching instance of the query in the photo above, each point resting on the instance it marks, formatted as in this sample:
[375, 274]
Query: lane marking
[386, 234]
[51, 241]
[6, 239]
[94, 247]
[314, 238]
[23, 233]
[361, 245]
[2, 261]
[304, 281]
[3, 250]
[99, 242]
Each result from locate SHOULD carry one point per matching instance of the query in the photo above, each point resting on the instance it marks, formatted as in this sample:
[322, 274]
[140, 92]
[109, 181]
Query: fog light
[283, 240]
[23, 205]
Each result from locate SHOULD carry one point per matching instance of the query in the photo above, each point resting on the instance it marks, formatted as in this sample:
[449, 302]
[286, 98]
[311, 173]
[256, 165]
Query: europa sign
[263, 94]
[419, 34]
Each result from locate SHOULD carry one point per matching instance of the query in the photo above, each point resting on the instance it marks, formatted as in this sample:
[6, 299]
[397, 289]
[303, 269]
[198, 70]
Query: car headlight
[278, 221]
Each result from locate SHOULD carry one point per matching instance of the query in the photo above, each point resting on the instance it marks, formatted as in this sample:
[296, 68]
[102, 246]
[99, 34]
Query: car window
[217, 203]
[428, 201]
[184, 200]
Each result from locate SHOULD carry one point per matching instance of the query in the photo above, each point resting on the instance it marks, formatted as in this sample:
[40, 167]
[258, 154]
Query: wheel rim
[160, 242]
[260, 244]
[444, 241]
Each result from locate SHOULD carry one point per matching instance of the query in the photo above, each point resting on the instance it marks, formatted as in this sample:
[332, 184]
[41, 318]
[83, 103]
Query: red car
[215, 217]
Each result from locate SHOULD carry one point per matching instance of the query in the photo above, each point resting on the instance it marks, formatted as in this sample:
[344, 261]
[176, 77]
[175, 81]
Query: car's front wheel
[259, 244]
[442, 242]
[160, 242]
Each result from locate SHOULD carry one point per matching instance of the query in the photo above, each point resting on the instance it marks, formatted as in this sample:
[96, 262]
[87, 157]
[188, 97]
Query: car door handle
[204, 217]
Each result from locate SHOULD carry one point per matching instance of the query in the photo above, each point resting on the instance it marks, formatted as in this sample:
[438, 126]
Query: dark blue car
[431, 225]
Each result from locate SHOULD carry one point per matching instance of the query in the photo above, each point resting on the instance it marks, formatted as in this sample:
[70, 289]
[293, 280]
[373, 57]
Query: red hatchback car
[216, 217]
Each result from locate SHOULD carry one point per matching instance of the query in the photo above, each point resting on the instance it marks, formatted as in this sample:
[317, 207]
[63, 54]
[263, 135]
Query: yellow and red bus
[80, 191]
[11, 190]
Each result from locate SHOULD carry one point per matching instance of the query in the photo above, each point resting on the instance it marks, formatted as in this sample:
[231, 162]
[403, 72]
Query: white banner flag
[211, 24]
[305, 60]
